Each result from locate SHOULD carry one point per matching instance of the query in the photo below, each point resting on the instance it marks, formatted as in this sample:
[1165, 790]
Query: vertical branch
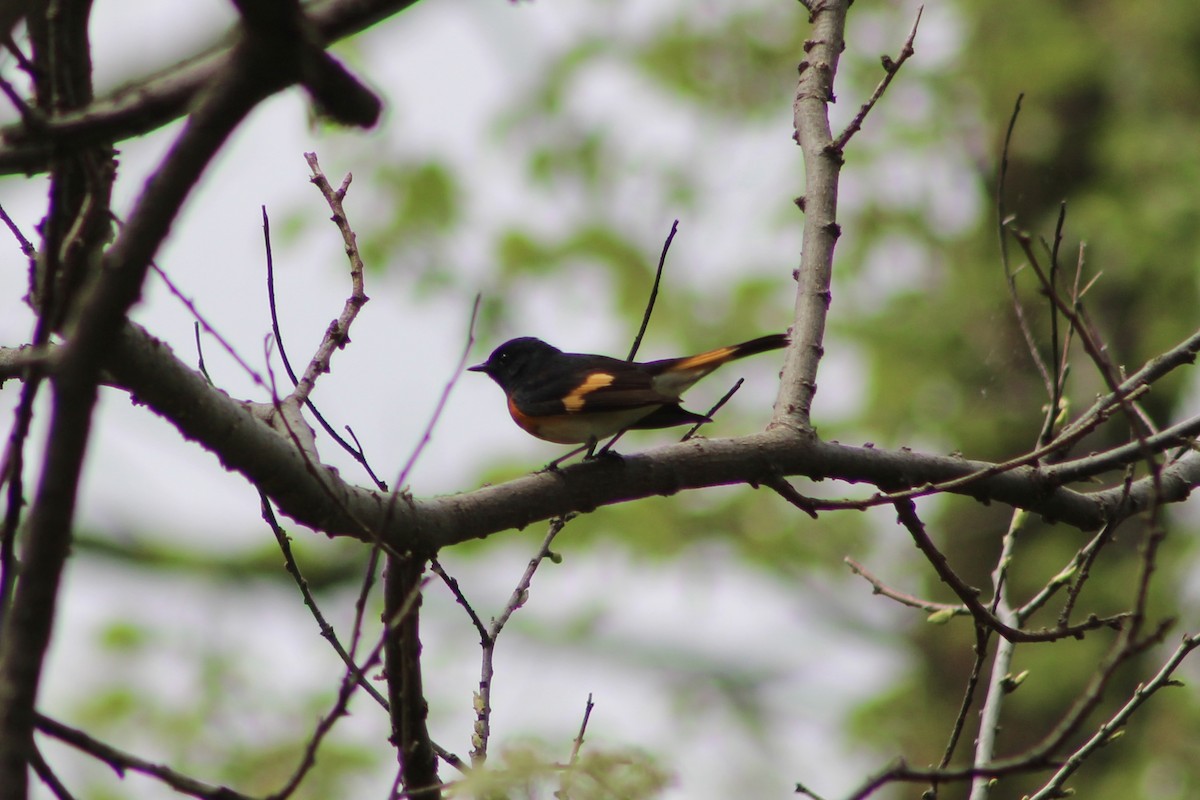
[483, 700]
[822, 165]
[75, 230]
[12, 461]
[77, 223]
[402, 666]
[999, 681]
[1010, 278]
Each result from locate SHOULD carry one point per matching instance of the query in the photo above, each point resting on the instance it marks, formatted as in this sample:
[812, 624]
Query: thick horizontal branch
[315, 495]
[150, 103]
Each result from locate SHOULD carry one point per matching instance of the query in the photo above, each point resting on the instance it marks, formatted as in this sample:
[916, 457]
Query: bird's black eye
[502, 358]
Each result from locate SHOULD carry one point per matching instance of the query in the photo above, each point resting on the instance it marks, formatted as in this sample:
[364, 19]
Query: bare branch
[337, 335]
[156, 100]
[881, 588]
[483, 700]
[1010, 278]
[822, 166]
[564, 790]
[355, 450]
[717, 406]
[890, 68]
[969, 595]
[121, 761]
[982, 637]
[221, 424]
[203, 322]
[409, 710]
[993, 702]
[327, 631]
[1053, 788]
[662, 261]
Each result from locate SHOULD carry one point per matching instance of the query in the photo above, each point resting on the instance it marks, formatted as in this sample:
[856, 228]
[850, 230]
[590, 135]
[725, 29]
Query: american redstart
[579, 398]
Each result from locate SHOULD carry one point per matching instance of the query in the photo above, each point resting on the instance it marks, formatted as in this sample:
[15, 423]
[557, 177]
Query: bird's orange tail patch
[710, 360]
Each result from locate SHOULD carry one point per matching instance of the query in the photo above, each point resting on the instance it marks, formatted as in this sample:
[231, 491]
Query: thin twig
[346, 690]
[27, 248]
[801, 789]
[1059, 361]
[716, 407]
[982, 637]
[327, 631]
[121, 762]
[356, 452]
[890, 68]
[784, 488]
[456, 590]
[1002, 221]
[483, 700]
[1096, 351]
[1074, 574]
[907, 514]
[337, 335]
[912, 601]
[200, 354]
[662, 260]
[993, 701]
[637, 343]
[364, 594]
[270, 256]
[209, 329]
[38, 762]
[1053, 788]
[564, 790]
[1181, 354]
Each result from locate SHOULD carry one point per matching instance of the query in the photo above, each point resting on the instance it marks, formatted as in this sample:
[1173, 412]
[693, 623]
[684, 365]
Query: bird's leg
[553, 465]
[607, 449]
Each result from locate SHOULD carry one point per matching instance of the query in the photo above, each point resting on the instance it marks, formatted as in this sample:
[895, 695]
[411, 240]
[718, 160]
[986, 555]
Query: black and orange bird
[580, 398]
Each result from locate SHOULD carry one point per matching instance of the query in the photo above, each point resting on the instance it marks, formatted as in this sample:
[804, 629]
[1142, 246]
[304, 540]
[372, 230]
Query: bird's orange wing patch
[574, 401]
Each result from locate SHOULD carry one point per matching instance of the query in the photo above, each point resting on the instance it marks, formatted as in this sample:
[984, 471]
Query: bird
[581, 398]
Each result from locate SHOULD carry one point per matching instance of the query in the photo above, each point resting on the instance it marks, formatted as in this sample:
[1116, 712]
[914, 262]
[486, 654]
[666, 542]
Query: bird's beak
[478, 368]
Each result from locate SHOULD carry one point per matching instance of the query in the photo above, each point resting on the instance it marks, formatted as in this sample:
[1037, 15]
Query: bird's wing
[611, 385]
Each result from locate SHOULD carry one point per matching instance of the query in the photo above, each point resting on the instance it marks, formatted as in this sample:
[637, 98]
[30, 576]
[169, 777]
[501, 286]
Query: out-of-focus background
[537, 153]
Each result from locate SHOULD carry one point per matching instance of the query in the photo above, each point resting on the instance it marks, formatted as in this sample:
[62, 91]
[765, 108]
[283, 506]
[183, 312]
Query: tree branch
[140, 107]
[822, 166]
[402, 666]
[317, 497]
[121, 761]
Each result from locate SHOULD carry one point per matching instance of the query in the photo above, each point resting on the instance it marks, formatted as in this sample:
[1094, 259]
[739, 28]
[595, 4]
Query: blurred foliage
[528, 769]
[738, 65]
[324, 563]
